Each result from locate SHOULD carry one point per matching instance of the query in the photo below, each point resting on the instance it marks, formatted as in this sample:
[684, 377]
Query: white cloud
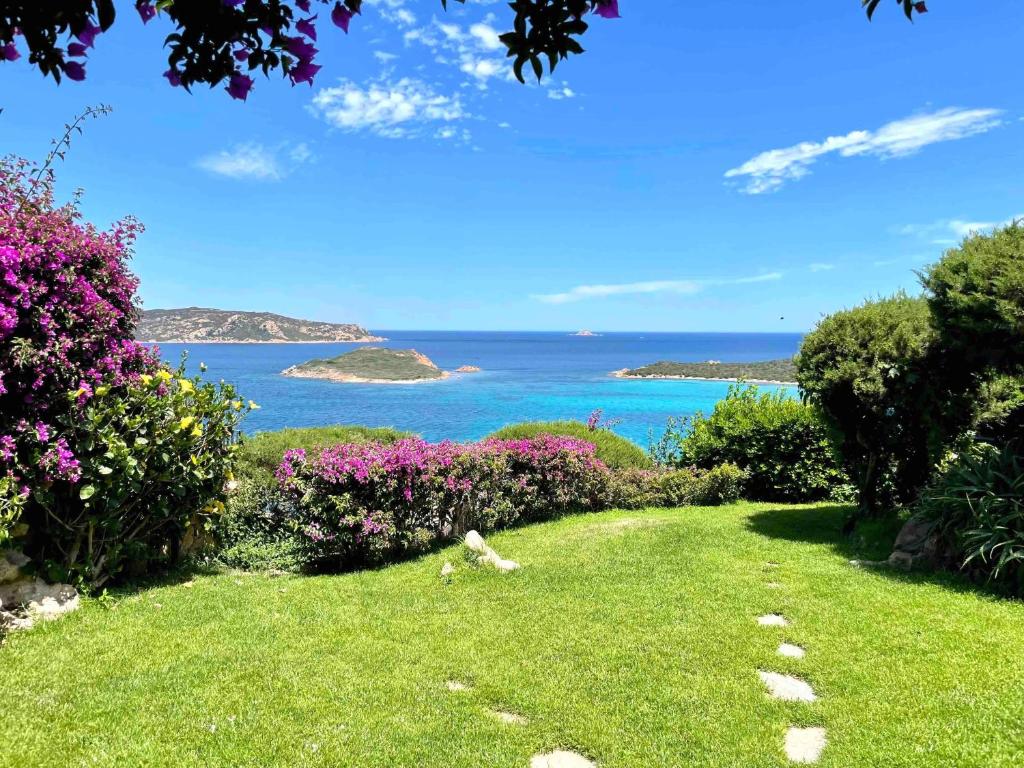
[384, 57]
[951, 231]
[486, 37]
[565, 92]
[819, 266]
[252, 160]
[680, 287]
[769, 170]
[394, 11]
[472, 51]
[391, 109]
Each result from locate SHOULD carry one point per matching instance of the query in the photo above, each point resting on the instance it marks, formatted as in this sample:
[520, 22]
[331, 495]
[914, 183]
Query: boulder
[918, 543]
[11, 566]
[487, 556]
[23, 602]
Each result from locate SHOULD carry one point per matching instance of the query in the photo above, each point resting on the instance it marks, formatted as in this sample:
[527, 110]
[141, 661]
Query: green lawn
[629, 637]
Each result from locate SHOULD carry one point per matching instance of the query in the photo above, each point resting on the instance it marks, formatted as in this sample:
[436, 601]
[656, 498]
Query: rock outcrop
[25, 599]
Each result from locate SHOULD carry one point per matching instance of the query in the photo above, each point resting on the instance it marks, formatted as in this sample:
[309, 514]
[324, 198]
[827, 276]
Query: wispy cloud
[255, 161]
[819, 266]
[681, 287]
[770, 170]
[951, 231]
[387, 108]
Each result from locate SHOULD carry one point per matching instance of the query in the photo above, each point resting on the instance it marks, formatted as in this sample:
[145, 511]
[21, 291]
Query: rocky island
[371, 365]
[585, 332]
[762, 372]
[219, 326]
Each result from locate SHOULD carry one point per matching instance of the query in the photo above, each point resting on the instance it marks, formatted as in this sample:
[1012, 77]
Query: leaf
[105, 13]
[104, 470]
[87, 492]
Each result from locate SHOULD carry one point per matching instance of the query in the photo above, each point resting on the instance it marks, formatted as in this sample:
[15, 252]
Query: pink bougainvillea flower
[241, 55]
[76, 49]
[303, 4]
[607, 9]
[146, 10]
[173, 77]
[239, 86]
[306, 27]
[300, 48]
[74, 71]
[303, 72]
[88, 34]
[341, 16]
[9, 52]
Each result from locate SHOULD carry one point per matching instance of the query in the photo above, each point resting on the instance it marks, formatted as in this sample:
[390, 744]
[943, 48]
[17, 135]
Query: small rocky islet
[781, 371]
[375, 365]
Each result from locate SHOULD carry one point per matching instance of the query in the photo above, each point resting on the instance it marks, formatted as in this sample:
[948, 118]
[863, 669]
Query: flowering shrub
[364, 504]
[104, 452]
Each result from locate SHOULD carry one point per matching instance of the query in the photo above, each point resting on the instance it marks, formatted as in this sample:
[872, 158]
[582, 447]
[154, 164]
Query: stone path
[509, 718]
[561, 759]
[801, 745]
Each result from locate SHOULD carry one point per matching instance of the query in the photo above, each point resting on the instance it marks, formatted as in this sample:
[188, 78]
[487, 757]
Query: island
[467, 369]
[220, 326]
[371, 365]
[763, 372]
[585, 332]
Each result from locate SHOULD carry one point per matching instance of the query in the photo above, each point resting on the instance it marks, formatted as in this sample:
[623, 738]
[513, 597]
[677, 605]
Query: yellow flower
[186, 422]
[146, 379]
[236, 404]
[197, 430]
[253, 406]
[164, 375]
[101, 391]
[185, 386]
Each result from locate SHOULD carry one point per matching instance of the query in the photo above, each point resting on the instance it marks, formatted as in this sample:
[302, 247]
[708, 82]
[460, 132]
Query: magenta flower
[303, 72]
[303, 4]
[300, 48]
[173, 77]
[607, 9]
[74, 71]
[88, 34]
[306, 27]
[9, 52]
[241, 55]
[239, 86]
[341, 16]
[76, 49]
[146, 10]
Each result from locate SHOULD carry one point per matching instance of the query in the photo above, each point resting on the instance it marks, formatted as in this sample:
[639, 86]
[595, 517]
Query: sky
[702, 167]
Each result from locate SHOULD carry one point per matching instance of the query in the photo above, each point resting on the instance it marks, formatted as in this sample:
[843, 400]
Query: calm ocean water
[526, 376]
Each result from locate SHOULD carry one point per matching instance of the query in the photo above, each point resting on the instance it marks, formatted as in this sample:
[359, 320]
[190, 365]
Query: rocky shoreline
[348, 378]
[624, 374]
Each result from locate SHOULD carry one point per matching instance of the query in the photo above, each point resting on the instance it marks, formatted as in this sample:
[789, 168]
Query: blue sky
[747, 169]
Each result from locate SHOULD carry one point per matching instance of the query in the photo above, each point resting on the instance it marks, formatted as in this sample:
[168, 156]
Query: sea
[525, 376]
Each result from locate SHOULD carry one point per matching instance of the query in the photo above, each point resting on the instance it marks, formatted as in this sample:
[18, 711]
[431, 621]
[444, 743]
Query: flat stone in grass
[509, 718]
[773, 620]
[791, 651]
[561, 759]
[787, 687]
[805, 745]
[773, 585]
[455, 686]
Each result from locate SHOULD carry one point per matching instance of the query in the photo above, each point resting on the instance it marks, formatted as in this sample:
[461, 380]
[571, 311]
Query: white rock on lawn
[791, 651]
[487, 556]
[455, 686]
[805, 745]
[509, 718]
[787, 687]
[561, 759]
[773, 620]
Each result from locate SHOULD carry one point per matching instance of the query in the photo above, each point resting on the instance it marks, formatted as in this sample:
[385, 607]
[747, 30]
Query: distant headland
[372, 365]
[585, 332]
[764, 372]
[220, 326]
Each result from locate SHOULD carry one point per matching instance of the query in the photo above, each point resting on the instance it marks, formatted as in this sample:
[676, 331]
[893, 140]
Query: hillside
[781, 371]
[371, 365]
[197, 324]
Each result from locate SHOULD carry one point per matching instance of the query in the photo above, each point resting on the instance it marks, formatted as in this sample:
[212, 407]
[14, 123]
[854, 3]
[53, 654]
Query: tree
[226, 41]
[876, 372]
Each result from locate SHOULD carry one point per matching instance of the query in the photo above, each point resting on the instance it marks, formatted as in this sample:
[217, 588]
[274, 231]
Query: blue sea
[525, 377]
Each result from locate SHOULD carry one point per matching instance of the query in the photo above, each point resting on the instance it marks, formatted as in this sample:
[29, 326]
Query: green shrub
[876, 374]
[615, 451]
[979, 503]
[780, 443]
[153, 456]
[687, 486]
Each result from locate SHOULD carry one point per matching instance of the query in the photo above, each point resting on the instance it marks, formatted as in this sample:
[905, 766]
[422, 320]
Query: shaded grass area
[766, 370]
[630, 637]
[615, 451]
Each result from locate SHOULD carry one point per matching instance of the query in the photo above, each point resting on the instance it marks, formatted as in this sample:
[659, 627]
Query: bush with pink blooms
[80, 400]
[354, 505]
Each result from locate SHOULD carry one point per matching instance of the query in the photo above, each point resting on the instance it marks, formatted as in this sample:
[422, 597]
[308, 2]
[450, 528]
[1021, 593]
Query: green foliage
[976, 296]
[768, 370]
[979, 502]
[374, 363]
[876, 373]
[688, 486]
[615, 451]
[154, 455]
[781, 444]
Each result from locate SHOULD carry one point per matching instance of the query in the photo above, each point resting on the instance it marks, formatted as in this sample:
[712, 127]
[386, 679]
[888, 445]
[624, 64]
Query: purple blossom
[306, 27]
[173, 77]
[9, 52]
[42, 432]
[239, 86]
[299, 48]
[146, 10]
[303, 72]
[341, 16]
[88, 34]
[74, 70]
[303, 4]
[241, 55]
[8, 448]
[607, 9]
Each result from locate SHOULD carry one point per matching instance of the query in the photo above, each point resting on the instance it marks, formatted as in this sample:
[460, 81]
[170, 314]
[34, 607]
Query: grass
[630, 637]
[767, 370]
[377, 363]
[613, 450]
[261, 454]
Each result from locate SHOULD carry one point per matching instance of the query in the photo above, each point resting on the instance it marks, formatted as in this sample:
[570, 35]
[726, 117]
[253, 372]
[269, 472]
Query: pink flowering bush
[366, 504]
[76, 392]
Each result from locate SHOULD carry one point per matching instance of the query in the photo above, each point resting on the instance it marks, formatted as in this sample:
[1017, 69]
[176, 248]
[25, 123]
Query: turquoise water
[525, 377]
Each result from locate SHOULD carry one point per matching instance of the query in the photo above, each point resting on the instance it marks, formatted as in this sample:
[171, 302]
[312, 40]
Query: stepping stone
[791, 651]
[805, 745]
[509, 718]
[773, 620]
[771, 564]
[787, 687]
[773, 585]
[561, 759]
[455, 686]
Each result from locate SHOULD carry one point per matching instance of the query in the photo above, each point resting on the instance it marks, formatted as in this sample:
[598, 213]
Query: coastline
[621, 374]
